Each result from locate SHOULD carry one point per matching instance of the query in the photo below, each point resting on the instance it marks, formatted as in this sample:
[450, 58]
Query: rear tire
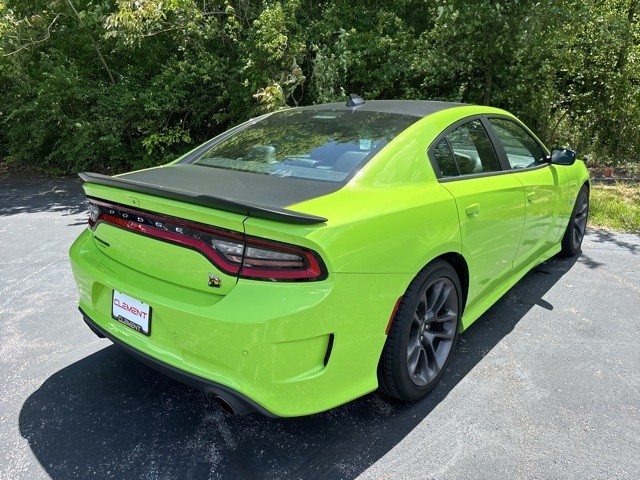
[573, 236]
[423, 334]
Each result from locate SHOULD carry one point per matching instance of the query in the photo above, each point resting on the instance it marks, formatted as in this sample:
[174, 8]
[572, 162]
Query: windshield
[313, 144]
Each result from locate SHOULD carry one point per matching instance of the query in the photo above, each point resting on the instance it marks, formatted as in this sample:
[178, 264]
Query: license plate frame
[131, 312]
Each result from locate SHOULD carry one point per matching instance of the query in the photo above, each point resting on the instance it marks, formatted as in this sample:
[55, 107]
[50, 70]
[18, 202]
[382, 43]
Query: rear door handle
[531, 196]
[473, 210]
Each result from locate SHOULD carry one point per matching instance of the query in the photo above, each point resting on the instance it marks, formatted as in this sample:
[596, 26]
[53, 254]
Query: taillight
[232, 252]
[269, 260]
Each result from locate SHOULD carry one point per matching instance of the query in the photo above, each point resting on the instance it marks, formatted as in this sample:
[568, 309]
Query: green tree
[119, 84]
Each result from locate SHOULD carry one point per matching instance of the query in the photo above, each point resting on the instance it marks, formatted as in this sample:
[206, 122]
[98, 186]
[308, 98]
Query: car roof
[415, 108]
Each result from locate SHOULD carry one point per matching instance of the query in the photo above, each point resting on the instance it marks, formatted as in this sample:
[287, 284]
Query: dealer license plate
[131, 312]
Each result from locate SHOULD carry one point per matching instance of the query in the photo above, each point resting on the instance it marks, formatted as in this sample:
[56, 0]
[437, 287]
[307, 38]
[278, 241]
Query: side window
[472, 149]
[444, 159]
[521, 149]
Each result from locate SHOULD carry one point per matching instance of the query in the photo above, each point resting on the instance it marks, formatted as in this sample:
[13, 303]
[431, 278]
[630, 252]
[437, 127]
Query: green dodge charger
[312, 255]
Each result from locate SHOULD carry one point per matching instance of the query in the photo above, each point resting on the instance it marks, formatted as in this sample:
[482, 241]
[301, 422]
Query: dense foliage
[116, 84]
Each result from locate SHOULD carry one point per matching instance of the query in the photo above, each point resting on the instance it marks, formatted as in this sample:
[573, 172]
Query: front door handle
[531, 196]
[473, 210]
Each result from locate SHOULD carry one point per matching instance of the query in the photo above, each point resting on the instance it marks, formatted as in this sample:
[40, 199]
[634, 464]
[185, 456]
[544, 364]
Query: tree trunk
[95, 45]
[488, 80]
[623, 55]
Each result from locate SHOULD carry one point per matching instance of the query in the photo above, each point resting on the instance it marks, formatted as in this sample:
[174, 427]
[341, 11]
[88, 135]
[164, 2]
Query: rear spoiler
[221, 203]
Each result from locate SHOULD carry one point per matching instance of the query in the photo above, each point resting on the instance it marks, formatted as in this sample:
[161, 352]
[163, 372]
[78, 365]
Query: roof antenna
[355, 100]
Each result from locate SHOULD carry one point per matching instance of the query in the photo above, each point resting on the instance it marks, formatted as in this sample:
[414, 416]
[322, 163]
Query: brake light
[232, 252]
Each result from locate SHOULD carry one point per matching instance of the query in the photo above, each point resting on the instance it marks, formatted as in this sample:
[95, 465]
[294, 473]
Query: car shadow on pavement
[31, 194]
[108, 416]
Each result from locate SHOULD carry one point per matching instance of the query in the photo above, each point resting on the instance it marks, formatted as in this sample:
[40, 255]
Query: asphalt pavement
[545, 385]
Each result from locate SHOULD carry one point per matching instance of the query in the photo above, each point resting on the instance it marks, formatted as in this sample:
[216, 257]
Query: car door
[490, 204]
[542, 184]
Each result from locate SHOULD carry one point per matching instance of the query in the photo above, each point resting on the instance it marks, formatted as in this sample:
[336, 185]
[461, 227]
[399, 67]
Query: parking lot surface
[544, 385]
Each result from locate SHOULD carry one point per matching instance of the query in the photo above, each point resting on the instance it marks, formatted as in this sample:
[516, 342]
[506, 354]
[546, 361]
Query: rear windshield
[314, 144]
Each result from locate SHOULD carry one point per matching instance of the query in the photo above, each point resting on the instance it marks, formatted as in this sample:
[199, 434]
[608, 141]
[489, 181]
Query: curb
[615, 180]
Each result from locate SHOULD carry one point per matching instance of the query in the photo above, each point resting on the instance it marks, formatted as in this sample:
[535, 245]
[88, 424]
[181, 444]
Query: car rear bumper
[239, 403]
[282, 349]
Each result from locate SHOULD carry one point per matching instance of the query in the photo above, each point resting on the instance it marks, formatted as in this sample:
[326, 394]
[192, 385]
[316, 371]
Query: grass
[615, 207]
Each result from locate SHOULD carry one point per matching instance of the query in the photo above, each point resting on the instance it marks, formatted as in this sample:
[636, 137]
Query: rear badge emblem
[214, 281]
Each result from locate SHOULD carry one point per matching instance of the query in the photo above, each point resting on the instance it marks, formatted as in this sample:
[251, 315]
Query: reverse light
[259, 256]
[266, 259]
[94, 212]
[232, 252]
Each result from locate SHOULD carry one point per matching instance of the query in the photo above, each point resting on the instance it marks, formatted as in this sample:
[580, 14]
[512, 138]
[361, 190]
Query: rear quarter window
[467, 150]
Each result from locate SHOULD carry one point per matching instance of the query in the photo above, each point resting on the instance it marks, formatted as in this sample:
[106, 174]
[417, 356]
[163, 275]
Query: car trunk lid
[164, 223]
[163, 238]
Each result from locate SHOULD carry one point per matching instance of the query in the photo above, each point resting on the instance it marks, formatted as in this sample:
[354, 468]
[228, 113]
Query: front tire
[573, 236]
[423, 334]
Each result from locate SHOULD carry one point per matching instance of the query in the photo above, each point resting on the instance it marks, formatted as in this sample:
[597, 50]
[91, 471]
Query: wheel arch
[459, 264]
[389, 380]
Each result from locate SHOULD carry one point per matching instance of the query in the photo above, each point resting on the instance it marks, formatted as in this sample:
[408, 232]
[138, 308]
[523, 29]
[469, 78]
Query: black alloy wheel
[423, 334]
[573, 236]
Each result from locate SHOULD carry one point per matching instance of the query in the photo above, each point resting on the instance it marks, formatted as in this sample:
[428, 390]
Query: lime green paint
[491, 230]
[282, 327]
[268, 340]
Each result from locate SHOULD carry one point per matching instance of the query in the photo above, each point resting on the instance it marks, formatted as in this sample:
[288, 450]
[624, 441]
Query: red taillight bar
[157, 226]
[210, 253]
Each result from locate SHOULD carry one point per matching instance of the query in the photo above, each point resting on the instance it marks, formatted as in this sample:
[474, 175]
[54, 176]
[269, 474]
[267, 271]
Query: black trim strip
[471, 176]
[221, 203]
[240, 403]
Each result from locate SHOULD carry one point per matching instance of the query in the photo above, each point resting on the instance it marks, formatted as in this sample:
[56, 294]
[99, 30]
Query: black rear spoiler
[221, 203]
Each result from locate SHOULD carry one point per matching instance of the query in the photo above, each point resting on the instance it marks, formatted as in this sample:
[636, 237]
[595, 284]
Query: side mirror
[563, 156]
